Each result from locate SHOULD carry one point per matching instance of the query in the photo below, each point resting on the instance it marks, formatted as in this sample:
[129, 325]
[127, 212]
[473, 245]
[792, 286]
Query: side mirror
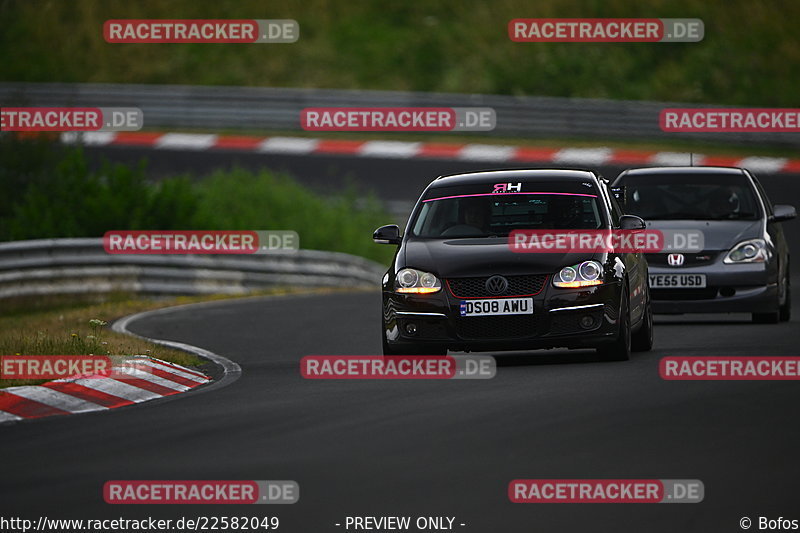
[783, 212]
[387, 234]
[632, 222]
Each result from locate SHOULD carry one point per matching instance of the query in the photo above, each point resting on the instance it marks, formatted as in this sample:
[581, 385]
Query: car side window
[615, 211]
[764, 197]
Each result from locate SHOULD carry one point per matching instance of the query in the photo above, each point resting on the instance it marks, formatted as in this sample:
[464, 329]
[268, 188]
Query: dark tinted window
[616, 210]
[690, 197]
[484, 215]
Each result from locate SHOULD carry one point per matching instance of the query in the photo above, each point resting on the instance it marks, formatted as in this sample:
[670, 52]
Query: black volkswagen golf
[456, 283]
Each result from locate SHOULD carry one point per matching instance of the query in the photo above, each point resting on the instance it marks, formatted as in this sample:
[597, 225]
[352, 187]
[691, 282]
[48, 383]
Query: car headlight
[585, 274]
[411, 281]
[750, 251]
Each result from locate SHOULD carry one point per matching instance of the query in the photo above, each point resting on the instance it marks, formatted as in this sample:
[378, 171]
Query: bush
[48, 191]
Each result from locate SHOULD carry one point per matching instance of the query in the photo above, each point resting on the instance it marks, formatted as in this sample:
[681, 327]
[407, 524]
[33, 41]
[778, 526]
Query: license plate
[497, 306]
[677, 281]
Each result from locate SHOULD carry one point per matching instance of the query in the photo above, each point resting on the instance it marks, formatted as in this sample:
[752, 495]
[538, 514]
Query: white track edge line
[231, 371]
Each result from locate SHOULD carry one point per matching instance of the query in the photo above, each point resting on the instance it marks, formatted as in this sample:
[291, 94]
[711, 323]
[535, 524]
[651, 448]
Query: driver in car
[476, 214]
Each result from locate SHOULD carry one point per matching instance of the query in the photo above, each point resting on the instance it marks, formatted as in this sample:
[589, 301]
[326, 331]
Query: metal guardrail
[184, 106]
[81, 266]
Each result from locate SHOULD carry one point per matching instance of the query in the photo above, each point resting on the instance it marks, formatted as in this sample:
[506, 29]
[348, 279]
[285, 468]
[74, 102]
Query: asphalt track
[441, 448]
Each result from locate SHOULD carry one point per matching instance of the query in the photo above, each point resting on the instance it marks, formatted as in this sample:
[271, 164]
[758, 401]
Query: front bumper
[435, 320]
[743, 288]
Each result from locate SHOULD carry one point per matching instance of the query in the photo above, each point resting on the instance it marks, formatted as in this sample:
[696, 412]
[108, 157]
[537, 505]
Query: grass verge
[749, 55]
[66, 326]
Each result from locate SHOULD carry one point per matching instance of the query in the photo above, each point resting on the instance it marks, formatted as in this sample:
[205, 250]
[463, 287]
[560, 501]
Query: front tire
[409, 349]
[620, 349]
[387, 348]
[773, 317]
[767, 318]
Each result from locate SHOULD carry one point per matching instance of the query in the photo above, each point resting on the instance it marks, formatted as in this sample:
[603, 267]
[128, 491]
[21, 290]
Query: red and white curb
[425, 150]
[137, 379]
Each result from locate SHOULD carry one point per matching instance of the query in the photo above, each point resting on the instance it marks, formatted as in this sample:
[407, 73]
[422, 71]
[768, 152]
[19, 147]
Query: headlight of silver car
[750, 251]
[412, 281]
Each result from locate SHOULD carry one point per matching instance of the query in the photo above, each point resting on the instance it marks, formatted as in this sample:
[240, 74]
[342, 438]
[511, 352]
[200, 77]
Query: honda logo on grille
[675, 260]
[496, 285]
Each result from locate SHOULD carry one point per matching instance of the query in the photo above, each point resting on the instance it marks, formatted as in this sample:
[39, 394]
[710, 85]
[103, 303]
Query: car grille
[699, 259]
[496, 327]
[476, 287]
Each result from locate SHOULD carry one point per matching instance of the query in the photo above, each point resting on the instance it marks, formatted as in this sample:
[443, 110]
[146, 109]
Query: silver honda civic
[743, 265]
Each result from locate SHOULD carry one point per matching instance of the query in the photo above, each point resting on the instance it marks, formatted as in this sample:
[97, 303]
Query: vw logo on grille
[496, 285]
[675, 260]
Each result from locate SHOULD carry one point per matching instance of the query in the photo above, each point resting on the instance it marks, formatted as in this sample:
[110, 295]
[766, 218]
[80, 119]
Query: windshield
[690, 197]
[486, 215]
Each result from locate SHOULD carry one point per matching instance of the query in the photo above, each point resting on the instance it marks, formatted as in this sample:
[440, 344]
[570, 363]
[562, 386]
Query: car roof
[511, 175]
[733, 171]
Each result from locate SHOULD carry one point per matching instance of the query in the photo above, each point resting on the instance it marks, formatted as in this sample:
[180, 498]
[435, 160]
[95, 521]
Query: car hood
[449, 258]
[717, 234]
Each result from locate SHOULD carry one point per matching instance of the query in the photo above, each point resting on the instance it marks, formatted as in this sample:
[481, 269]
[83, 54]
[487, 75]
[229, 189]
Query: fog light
[727, 292]
[411, 328]
[587, 321]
